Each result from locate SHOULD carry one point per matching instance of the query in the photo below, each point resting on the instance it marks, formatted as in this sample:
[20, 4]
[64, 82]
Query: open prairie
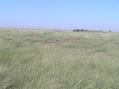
[43, 59]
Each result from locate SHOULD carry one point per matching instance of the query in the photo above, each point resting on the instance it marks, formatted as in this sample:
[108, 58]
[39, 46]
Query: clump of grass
[40, 59]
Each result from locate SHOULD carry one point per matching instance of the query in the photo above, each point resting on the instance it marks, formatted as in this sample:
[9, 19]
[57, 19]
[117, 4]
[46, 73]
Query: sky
[60, 14]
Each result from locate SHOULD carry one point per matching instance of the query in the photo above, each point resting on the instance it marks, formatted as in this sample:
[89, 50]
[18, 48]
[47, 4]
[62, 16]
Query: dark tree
[82, 30]
[76, 30]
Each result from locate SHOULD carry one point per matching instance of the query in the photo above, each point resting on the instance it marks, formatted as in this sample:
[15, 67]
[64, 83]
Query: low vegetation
[42, 59]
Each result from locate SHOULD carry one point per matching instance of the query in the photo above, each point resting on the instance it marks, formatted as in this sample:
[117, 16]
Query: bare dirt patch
[2, 68]
[56, 43]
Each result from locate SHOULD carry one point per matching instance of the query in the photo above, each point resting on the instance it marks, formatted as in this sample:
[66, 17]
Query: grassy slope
[32, 59]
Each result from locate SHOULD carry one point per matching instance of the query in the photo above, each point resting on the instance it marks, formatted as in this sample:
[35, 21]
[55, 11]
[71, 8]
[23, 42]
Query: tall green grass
[42, 59]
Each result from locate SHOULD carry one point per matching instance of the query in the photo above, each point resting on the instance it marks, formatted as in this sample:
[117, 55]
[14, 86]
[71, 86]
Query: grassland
[42, 59]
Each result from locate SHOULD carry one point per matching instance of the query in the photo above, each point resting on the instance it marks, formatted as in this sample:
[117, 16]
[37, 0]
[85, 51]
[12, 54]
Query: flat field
[43, 59]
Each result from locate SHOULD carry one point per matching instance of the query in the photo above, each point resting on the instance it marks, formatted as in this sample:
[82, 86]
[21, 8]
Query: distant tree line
[79, 30]
[85, 30]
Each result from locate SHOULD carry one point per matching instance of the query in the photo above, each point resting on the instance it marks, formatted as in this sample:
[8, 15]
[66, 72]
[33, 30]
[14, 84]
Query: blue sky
[60, 14]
